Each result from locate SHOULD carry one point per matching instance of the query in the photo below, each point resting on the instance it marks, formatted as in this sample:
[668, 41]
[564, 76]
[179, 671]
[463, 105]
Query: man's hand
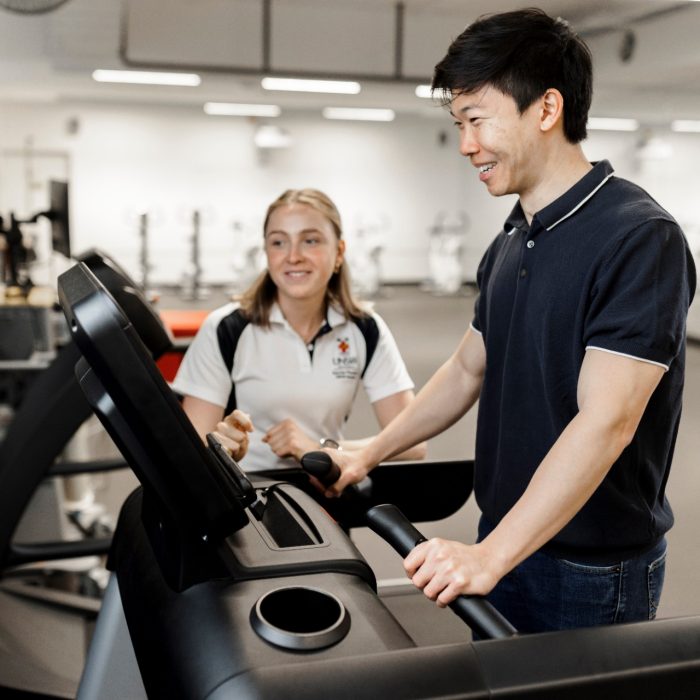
[232, 433]
[287, 439]
[444, 570]
[353, 468]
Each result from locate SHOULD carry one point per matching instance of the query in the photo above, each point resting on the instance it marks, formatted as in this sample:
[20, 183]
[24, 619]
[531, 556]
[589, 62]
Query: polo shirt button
[310, 347]
[531, 244]
[523, 272]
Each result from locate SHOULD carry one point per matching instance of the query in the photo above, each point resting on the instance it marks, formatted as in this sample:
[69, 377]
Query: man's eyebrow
[464, 110]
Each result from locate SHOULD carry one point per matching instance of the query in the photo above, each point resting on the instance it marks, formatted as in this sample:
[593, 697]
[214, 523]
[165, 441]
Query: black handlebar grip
[392, 525]
[320, 465]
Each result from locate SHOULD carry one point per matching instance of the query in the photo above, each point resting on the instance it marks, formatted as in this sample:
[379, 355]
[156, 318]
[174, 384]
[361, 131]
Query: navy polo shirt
[605, 267]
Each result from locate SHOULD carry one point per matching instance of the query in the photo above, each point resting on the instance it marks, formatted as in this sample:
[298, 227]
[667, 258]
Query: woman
[289, 358]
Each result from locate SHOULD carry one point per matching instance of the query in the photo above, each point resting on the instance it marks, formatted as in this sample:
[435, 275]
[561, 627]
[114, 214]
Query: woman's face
[302, 252]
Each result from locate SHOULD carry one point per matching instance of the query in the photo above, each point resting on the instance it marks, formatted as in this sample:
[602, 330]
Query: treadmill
[229, 587]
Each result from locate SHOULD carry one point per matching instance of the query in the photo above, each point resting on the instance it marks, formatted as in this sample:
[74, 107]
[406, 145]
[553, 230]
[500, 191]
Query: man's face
[500, 142]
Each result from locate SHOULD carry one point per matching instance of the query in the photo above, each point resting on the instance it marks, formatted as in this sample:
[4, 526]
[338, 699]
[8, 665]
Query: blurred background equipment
[192, 286]
[445, 253]
[365, 246]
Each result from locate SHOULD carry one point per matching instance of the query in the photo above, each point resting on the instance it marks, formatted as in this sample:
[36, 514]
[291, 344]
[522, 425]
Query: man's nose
[468, 144]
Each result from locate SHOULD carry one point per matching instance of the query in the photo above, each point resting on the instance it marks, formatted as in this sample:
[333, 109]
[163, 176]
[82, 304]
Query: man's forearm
[447, 396]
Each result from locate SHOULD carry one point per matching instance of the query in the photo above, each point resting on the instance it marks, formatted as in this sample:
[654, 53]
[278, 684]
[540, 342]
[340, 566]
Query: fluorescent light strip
[146, 77]
[359, 114]
[612, 124]
[688, 126]
[424, 91]
[344, 87]
[231, 109]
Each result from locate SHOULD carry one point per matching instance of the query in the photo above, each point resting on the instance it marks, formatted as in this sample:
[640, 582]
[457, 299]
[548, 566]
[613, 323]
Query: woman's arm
[231, 431]
[287, 439]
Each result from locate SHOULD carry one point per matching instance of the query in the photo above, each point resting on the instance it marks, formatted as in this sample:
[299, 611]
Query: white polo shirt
[277, 376]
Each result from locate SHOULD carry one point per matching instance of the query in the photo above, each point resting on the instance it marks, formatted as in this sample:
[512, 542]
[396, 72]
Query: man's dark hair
[522, 54]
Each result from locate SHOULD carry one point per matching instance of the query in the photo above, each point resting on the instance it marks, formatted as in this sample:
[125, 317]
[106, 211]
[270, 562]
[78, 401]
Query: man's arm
[447, 396]
[386, 410]
[613, 392]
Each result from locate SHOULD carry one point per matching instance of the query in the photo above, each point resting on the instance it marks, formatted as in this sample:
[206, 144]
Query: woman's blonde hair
[257, 300]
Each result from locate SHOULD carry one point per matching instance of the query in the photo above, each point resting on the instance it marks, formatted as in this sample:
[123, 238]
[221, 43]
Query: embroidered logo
[345, 364]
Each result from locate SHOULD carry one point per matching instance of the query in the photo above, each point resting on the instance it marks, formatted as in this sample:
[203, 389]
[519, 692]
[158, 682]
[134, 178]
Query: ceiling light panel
[146, 77]
[612, 124]
[344, 87]
[359, 114]
[688, 126]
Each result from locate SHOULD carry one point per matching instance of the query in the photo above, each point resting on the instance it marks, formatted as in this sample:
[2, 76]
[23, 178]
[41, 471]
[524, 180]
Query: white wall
[169, 161]
[123, 160]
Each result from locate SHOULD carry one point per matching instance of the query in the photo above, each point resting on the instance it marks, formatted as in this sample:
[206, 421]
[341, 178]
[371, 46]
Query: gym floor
[427, 329]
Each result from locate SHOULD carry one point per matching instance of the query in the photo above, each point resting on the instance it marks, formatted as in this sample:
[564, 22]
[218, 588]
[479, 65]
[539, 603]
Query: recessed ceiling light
[231, 109]
[359, 114]
[146, 77]
[612, 124]
[346, 87]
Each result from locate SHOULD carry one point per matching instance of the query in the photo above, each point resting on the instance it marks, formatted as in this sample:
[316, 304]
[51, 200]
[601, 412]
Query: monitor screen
[142, 415]
[58, 215]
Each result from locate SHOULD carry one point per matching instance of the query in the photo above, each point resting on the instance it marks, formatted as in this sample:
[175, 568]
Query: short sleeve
[482, 275]
[639, 301]
[203, 373]
[386, 373]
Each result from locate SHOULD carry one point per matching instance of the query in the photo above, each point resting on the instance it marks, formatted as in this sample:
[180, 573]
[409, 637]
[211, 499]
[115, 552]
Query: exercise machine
[226, 586]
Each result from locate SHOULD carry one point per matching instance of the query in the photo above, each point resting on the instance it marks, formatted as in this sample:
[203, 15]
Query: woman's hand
[287, 439]
[232, 433]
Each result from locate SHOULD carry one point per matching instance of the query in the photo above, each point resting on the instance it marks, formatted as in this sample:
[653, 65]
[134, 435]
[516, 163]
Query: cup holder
[300, 618]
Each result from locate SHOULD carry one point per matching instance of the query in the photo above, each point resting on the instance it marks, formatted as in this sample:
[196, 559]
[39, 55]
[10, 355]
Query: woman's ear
[551, 109]
[340, 254]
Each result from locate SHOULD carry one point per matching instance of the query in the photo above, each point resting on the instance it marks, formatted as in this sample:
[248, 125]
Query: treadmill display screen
[142, 415]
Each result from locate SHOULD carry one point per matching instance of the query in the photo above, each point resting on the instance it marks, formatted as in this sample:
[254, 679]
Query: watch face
[329, 442]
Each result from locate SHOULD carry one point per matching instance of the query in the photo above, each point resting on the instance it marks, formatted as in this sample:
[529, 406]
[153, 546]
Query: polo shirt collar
[334, 317]
[566, 205]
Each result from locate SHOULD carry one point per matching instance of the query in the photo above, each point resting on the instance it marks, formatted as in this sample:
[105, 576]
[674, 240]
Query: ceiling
[232, 43]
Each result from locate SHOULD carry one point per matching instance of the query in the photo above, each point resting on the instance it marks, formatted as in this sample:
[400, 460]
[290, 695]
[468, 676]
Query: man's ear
[551, 109]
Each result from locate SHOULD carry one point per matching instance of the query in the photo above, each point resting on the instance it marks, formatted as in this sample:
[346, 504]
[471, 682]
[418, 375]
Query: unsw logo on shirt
[345, 364]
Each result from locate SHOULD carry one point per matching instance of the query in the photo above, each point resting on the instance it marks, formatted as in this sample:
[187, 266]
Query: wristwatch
[330, 442]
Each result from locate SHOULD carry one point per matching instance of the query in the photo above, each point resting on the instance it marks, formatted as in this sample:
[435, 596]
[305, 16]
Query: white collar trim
[581, 203]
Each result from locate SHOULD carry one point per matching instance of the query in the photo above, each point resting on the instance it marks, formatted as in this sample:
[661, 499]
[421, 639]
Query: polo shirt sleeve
[386, 373]
[482, 275]
[203, 373]
[640, 299]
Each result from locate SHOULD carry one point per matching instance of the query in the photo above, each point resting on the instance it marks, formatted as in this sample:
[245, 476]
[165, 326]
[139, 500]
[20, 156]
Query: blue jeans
[545, 593]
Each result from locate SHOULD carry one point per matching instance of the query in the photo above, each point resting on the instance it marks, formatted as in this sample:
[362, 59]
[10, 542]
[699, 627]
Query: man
[575, 351]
